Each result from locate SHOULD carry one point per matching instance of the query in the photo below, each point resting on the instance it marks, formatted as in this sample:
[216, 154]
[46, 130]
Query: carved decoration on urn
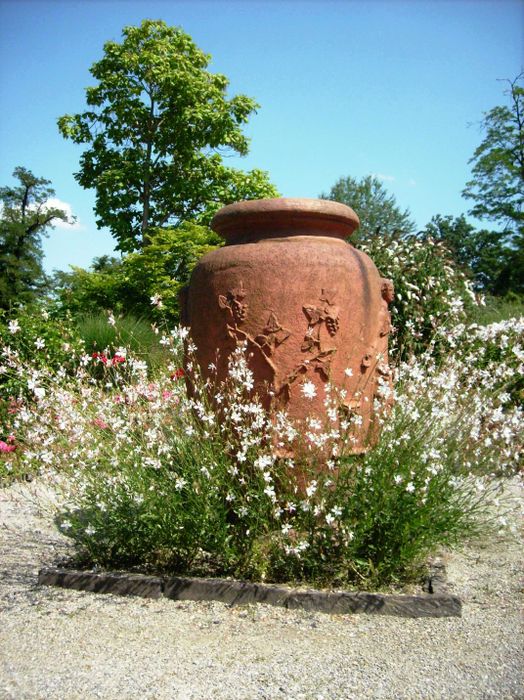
[320, 316]
[233, 301]
[325, 315]
[274, 334]
[388, 294]
[317, 315]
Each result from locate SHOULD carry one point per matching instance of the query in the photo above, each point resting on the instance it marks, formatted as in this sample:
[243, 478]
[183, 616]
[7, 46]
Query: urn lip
[284, 216]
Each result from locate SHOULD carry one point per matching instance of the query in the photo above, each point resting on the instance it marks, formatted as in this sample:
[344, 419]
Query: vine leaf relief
[233, 301]
[263, 345]
[274, 335]
[319, 316]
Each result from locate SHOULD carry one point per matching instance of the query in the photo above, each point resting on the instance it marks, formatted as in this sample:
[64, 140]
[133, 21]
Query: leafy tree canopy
[156, 127]
[377, 210]
[497, 186]
[25, 217]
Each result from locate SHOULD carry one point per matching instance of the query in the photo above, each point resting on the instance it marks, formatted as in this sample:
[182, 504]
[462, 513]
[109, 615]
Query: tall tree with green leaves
[497, 185]
[156, 129]
[25, 217]
[377, 210]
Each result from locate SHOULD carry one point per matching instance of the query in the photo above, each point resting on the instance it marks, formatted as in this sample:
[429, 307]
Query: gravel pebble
[57, 643]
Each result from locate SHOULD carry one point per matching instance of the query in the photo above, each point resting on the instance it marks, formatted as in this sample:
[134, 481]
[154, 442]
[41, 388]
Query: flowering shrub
[39, 339]
[494, 352]
[430, 291]
[161, 481]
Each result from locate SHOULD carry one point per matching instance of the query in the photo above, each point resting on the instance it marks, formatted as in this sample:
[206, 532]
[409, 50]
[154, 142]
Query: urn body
[310, 307]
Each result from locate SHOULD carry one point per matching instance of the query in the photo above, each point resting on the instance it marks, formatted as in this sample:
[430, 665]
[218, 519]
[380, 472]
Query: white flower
[398, 479]
[180, 483]
[311, 488]
[39, 343]
[348, 372]
[181, 333]
[66, 525]
[111, 320]
[263, 461]
[13, 326]
[309, 390]
[156, 300]
[90, 530]
[39, 392]
[270, 491]
[410, 487]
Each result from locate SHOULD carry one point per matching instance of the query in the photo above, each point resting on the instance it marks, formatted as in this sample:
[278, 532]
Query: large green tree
[497, 185]
[156, 129]
[377, 210]
[25, 218]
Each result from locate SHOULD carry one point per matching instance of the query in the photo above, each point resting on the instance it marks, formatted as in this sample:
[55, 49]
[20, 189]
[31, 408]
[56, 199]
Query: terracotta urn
[310, 307]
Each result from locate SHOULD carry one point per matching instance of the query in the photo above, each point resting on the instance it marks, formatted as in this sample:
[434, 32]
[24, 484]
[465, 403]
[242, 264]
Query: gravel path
[64, 644]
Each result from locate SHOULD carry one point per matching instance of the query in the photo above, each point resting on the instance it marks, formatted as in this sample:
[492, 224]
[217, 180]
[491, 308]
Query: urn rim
[284, 216]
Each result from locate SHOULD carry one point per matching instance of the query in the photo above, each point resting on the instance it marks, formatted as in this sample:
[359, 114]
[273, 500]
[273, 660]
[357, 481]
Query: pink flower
[100, 423]
[14, 407]
[4, 447]
[167, 394]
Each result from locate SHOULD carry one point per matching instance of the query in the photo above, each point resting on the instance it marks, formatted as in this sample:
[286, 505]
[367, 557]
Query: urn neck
[246, 222]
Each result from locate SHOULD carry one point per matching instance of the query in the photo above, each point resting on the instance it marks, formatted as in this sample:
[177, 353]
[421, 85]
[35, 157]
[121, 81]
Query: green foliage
[481, 255]
[378, 211]
[430, 291]
[496, 309]
[153, 277]
[154, 128]
[511, 278]
[145, 283]
[497, 186]
[25, 217]
[82, 291]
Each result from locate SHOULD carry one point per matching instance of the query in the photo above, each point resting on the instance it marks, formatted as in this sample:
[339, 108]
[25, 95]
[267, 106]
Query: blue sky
[386, 87]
